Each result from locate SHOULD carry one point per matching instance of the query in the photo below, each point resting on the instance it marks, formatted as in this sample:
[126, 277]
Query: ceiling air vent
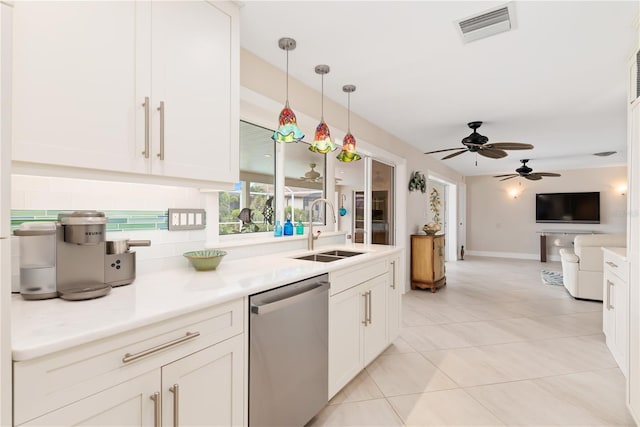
[488, 23]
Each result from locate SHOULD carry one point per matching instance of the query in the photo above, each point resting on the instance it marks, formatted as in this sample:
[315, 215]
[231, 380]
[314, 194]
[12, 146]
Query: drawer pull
[156, 409]
[611, 264]
[175, 389]
[131, 357]
[610, 284]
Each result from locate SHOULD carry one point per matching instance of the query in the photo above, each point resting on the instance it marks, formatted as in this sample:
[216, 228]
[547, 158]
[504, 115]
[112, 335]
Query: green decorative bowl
[208, 259]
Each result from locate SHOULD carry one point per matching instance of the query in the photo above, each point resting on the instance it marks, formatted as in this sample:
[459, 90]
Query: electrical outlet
[187, 219]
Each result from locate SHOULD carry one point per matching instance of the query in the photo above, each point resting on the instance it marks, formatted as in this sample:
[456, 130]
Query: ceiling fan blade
[548, 174]
[509, 146]
[506, 174]
[446, 149]
[492, 153]
[533, 177]
[510, 177]
[454, 154]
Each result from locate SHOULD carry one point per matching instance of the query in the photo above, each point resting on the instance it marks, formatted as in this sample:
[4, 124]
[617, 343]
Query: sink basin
[320, 258]
[343, 254]
[329, 256]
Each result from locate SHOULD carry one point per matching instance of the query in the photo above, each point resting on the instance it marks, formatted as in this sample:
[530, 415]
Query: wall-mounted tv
[577, 208]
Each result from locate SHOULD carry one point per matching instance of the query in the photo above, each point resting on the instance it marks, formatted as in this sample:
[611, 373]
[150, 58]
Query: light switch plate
[187, 219]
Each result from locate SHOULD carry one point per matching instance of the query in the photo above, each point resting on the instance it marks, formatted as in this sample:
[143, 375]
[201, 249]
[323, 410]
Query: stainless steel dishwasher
[288, 360]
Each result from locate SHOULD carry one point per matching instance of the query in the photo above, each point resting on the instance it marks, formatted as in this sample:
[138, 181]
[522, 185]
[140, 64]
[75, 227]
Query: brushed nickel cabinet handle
[161, 109]
[366, 304]
[175, 389]
[131, 357]
[609, 285]
[145, 104]
[369, 307]
[612, 264]
[156, 409]
[393, 274]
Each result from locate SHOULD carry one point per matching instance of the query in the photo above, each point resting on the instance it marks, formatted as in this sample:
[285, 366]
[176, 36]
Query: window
[250, 206]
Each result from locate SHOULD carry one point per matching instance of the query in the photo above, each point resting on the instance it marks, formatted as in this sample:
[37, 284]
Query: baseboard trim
[513, 255]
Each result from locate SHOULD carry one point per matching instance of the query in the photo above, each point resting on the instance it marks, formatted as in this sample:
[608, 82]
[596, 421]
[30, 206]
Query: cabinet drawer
[342, 280]
[50, 382]
[617, 266]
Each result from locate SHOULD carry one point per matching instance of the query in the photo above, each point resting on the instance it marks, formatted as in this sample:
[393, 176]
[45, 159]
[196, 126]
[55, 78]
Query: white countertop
[46, 326]
[616, 251]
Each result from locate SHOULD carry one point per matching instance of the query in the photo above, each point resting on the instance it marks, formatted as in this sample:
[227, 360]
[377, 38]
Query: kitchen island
[157, 330]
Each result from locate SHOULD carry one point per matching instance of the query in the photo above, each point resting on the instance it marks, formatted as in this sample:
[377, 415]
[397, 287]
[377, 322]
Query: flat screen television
[576, 208]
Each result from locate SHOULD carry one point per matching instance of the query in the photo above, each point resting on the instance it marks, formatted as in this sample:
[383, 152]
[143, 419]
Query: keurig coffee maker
[80, 255]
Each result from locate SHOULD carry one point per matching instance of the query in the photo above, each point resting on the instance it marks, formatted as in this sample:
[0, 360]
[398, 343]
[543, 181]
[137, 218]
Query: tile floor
[493, 347]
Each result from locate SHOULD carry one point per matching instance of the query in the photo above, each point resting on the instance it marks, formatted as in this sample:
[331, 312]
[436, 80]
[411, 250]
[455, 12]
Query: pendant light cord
[287, 84]
[349, 112]
[322, 100]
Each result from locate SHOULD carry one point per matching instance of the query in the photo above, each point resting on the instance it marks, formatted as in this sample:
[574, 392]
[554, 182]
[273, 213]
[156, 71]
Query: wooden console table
[545, 233]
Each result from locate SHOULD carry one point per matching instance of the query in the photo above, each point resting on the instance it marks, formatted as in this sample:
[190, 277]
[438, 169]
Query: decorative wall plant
[417, 182]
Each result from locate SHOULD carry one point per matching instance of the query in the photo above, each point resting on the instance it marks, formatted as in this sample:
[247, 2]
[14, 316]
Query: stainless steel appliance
[120, 262]
[288, 346]
[37, 260]
[80, 255]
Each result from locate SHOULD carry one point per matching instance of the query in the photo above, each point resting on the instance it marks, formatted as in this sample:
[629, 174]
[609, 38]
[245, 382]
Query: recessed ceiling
[557, 81]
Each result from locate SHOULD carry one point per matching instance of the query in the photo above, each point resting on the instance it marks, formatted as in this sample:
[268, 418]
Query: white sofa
[582, 266]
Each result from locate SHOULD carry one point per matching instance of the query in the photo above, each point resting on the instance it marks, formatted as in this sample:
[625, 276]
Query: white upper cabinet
[90, 79]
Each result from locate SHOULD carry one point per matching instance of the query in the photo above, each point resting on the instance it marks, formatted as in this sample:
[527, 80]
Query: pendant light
[288, 130]
[348, 152]
[322, 142]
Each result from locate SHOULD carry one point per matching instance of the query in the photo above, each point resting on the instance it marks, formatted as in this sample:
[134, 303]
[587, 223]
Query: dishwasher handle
[312, 290]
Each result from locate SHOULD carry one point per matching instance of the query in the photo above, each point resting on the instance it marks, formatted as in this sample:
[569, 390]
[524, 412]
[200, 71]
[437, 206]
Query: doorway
[374, 216]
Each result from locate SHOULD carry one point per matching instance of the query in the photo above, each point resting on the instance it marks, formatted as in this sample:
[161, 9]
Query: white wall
[500, 225]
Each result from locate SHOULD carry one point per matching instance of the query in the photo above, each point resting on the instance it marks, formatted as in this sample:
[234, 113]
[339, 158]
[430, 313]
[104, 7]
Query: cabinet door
[394, 300]
[375, 332]
[196, 78]
[346, 317]
[608, 312]
[127, 404]
[621, 335]
[206, 387]
[438, 258]
[76, 97]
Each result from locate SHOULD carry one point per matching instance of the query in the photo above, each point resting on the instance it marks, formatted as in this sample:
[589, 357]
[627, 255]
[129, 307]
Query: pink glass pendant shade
[288, 130]
[348, 152]
[322, 142]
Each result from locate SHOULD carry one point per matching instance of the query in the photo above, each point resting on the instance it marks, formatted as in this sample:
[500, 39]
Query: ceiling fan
[526, 172]
[312, 175]
[477, 143]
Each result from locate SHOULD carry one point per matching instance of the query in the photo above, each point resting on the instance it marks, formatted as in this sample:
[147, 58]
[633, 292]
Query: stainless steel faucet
[311, 236]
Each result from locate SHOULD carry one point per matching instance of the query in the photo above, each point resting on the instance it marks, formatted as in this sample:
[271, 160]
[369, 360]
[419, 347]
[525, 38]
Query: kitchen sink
[343, 254]
[329, 256]
[320, 258]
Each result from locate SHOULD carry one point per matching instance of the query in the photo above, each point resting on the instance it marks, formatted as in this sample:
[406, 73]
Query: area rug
[551, 277]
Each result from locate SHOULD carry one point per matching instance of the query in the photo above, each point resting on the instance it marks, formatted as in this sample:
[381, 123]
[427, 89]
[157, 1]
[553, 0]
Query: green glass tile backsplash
[118, 220]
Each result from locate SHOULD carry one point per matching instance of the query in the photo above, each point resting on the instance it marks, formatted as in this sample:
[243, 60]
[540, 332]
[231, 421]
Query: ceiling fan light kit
[479, 144]
[288, 130]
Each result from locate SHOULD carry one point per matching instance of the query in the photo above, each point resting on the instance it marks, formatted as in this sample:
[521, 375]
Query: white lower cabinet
[615, 318]
[203, 388]
[187, 371]
[360, 319]
[127, 404]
